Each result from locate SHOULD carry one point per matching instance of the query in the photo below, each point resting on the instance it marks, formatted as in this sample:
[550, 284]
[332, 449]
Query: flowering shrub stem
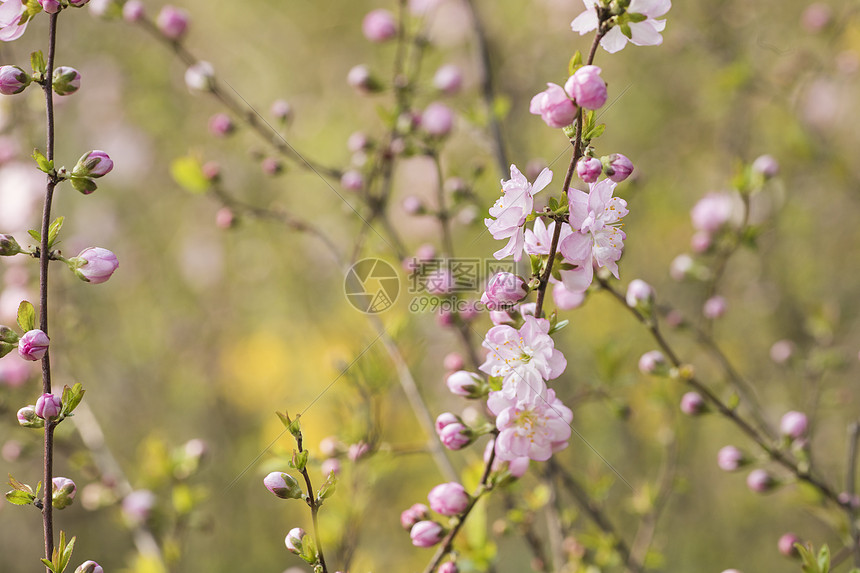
[577, 153]
[44, 259]
[315, 508]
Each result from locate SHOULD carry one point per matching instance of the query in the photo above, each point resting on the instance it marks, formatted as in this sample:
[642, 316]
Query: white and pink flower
[539, 238]
[511, 210]
[644, 33]
[530, 428]
[600, 240]
[523, 358]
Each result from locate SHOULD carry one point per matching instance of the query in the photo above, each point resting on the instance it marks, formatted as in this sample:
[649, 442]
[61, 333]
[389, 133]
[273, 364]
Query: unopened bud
[27, 417]
[63, 492]
[283, 485]
[66, 81]
[9, 246]
[13, 80]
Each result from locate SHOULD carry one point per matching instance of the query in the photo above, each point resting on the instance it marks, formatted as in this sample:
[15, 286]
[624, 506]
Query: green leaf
[26, 316]
[37, 61]
[18, 497]
[8, 335]
[6, 348]
[84, 184]
[595, 132]
[574, 63]
[495, 382]
[625, 29]
[71, 398]
[636, 18]
[54, 230]
[188, 173]
[300, 460]
[66, 553]
[558, 326]
[42, 162]
[295, 427]
[49, 565]
[35, 234]
[327, 489]
[285, 419]
[824, 559]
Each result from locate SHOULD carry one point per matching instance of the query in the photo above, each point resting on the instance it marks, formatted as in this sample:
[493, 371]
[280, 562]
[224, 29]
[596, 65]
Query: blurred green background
[205, 332]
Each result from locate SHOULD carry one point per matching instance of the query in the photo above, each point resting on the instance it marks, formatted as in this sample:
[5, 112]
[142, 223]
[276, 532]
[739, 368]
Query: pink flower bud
[553, 106]
[701, 241]
[653, 362]
[448, 567]
[93, 164]
[220, 125]
[618, 167]
[766, 165]
[466, 384]
[293, 540]
[437, 120]
[78, 3]
[330, 446]
[200, 77]
[413, 515]
[360, 78]
[455, 436]
[712, 211]
[271, 166]
[211, 170]
[63, 492]
[224, 218]
[794, 424]
[96, 265]
[681, 266]
[504, 289]
[714, 307]
[448, 499]
[50, 6]
[786, 545]
[48, 406]
[137, 506]
[89, 567]
[760, 481]
[357, 141]
[426, 534]
[730, 459]
[589, 169]
[173, 22]
[9, 246]
[13, 80]
[781, 351]
[692, 404]
[639, 294]
[352, 180]
[448, 79]
[357, 451]
[28, 418]
[412, 205]
[282, 110]
[330, 465]
[816, 17]
[132, 11]
[283, 485]
[445, 419]
[33, 345]
[587, 88]
[379, 26]
[849, 500]
[66, 80]
[453, 361]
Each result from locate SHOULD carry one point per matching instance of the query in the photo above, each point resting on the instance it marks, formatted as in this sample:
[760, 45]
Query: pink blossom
[11, 13]
[417, 512]
[589, 169]
[714, 307]
[619, 167]
[437, 120]
[449, 567]
[599, 241]
[352, 180]
[712, 212]
[565, 299]
[448, 499]
[33, 345]
[554, 106]
[200, 77]
[132, 11]
[692, 404]
[760, 481]
[426, 534]
[137, 505]
[452, 361]
[379, 26]
[330, 465]
[455, 436]
[639, 293]
[530, 428]
[13, 373]
[652, 362]
[538, 239]
[357, 451]
[766, 165]
[511, 210]
[794, 424]
[464, 383]
[786, 545]
[587, 88]
[13, 80]
[50, 6]
[523, 358]
[781, 351]
[504, 289]
[730, 459]
[644, 33]
[448, 79]
[816, 17]
[89, 567]
[516, 467]
[173, 22]
[220, 125]
[293, 540]
[97, 265]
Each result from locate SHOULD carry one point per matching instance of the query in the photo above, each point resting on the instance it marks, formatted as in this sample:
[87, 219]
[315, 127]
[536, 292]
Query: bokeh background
[204, 332]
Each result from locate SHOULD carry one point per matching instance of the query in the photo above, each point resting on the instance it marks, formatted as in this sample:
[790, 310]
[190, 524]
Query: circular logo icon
[371, 285]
